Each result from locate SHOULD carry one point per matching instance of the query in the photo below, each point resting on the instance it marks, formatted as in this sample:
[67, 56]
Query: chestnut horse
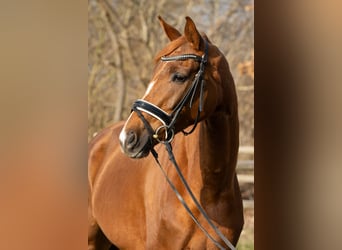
[131, 204]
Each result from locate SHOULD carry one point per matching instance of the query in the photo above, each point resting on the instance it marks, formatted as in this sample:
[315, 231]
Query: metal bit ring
[168, 132]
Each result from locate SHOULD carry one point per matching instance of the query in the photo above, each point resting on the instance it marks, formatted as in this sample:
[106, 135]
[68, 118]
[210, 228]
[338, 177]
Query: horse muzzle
[133, 145]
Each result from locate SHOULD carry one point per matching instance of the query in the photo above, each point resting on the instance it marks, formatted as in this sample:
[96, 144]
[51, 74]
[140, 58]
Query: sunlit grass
[246, 241]
[245, 246]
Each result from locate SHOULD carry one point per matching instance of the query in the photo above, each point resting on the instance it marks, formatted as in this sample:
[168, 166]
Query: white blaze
[123, 134]
[149, 88]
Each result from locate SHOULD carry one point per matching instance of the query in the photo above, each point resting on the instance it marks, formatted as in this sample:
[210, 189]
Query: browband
[181, 58]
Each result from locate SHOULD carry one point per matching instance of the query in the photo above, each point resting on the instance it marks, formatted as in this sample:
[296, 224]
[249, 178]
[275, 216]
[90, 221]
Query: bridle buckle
[169, 134]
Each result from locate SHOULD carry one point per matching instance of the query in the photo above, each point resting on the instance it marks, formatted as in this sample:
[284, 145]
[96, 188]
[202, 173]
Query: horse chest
[168, 226]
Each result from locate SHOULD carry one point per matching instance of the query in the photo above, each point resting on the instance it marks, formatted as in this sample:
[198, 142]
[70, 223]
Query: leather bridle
[168, 121]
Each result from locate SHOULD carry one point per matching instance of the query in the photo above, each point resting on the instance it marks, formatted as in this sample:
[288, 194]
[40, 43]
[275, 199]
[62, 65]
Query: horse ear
[170, 31]
[191, 33]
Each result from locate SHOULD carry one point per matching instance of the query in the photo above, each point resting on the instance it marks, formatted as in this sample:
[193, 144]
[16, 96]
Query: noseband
[169, 120]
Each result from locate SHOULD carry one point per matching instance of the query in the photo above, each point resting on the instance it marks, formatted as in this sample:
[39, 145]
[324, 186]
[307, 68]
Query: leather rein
[168, 121]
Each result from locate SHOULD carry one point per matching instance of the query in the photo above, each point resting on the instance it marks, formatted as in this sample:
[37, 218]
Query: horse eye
[177, 77]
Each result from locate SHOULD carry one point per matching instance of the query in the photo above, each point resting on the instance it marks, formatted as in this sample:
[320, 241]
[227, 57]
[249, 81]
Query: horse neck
[219, 142]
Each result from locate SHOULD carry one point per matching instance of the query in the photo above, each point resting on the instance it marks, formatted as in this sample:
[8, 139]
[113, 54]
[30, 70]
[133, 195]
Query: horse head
[191, 81]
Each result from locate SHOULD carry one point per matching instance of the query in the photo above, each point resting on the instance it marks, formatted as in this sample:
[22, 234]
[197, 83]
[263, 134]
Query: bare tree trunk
[121, 82]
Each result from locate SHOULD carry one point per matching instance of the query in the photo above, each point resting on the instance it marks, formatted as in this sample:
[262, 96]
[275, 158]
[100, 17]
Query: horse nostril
[131, 139]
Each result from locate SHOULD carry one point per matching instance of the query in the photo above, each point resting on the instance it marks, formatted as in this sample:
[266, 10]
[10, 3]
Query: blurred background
[43, 95]
[124, 37]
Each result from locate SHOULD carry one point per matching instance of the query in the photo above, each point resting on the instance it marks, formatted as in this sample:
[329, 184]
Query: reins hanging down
[198, 205]
[179, 196]
[168, 121]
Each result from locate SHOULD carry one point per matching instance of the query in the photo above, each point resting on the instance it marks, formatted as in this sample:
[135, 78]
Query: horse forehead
[180, 45]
